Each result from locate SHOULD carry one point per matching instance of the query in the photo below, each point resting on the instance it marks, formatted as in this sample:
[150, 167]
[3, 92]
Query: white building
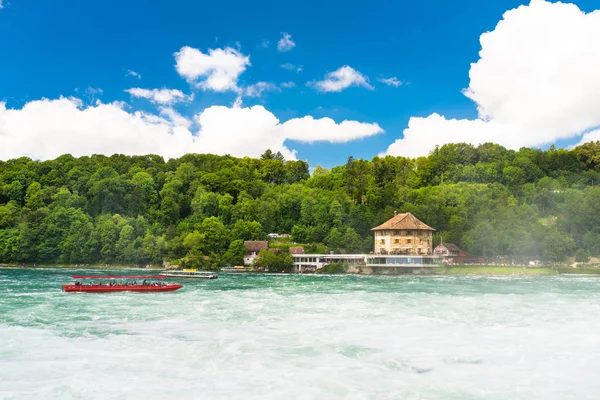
[401, 242]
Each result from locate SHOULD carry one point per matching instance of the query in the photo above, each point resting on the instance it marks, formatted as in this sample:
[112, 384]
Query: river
[302, 337]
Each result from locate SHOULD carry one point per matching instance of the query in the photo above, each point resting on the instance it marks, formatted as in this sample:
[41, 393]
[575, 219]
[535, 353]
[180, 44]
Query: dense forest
[198, 209]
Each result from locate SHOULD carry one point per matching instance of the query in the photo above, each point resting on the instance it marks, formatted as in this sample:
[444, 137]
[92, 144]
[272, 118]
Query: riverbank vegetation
[198, 209]
[334, 268]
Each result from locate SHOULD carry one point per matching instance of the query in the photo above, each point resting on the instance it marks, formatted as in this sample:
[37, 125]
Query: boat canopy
[118, 277]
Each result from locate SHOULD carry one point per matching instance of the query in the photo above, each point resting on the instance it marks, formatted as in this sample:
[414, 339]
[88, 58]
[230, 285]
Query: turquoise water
[302, 337]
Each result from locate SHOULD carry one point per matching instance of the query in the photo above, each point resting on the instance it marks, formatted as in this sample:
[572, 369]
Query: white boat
[191, 273]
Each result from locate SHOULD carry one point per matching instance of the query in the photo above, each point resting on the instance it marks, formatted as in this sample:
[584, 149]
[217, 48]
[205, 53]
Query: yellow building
[403, 234]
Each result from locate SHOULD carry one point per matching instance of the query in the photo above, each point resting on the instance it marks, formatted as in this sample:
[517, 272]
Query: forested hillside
[143, 209]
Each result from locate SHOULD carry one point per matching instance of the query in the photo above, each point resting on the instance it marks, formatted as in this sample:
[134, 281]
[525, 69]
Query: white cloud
[218, 70]
[175, 118]
[393, 81]
[160, 96]
[1, 6]
[287, 85]
[285, 43]
[133, 73]
[257, 89]
[91, 94]
[536, 81]
[341, 79]
[310, 130]
[44, 129]
[292, 67]
[592, 136]
[251, 130]
[265, 44]
[239, 131]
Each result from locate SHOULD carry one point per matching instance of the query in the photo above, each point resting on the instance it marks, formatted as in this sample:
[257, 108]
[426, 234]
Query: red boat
[118, 283]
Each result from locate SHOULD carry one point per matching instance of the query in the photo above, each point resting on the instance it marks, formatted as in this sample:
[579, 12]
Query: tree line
[198, 210]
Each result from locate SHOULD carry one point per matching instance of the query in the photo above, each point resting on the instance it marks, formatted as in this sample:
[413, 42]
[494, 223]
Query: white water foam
[307, 338]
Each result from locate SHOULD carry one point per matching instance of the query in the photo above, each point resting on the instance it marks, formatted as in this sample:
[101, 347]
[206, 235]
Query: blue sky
[63, 48]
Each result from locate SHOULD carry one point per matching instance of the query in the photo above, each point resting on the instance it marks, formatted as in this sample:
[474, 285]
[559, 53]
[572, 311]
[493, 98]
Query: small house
[296, 250]
[452, 254]
[254, 247]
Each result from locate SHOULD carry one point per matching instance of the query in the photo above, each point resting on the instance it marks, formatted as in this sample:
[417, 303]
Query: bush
[333, 268]
[582, 255]
[280, 261]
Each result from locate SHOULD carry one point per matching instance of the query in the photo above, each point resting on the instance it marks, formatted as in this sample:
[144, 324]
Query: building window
[382, 241]
[397, 241]
[408, 241]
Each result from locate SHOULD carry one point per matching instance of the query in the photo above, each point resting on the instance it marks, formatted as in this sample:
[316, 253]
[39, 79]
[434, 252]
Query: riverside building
[403, 244]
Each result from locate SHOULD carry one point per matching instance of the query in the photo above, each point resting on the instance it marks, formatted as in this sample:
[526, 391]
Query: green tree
[34, 196]
[195, 243]
[247, 230]
[216, 237]
[582, 255]
[280, 261]
[235, 253]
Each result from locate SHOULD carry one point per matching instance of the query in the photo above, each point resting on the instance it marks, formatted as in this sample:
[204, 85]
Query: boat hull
[191, 276]
[120, 288]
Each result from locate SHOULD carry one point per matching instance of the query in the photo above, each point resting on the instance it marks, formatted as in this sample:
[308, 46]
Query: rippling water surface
[302, 337]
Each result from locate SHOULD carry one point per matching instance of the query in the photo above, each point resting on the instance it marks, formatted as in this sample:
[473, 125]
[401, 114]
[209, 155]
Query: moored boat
[117, 283]
[190, 273]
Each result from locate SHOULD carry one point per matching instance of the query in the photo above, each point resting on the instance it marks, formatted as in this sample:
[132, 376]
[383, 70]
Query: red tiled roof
[256, 245]
[454, 248]
[404, 221]
[297, 250]
[451, 247]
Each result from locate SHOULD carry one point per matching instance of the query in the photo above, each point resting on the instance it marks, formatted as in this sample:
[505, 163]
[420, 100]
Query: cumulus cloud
[1, 5]
[133, 73]
[536, 82]
[249, 131]
[310, 130]
[160, 96]
[44, 129]
[265, 44]
[393, 81]
[257, 89]
[218, 70]
[341, 79]
[240, 131]
[592, 136]
[176, 119]
[285, 43]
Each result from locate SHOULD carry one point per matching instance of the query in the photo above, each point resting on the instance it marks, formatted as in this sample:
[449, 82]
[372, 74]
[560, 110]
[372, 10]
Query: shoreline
[456, 270]
[54, 266]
